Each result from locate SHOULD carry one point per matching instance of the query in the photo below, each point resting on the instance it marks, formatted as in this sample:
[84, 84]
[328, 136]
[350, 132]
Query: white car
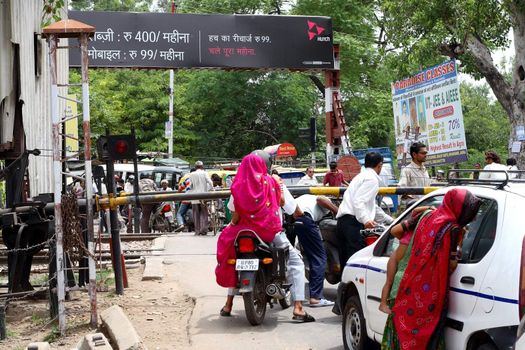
[487, 299]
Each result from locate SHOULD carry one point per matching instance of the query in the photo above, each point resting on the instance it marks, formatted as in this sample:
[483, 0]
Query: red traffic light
[121, 147]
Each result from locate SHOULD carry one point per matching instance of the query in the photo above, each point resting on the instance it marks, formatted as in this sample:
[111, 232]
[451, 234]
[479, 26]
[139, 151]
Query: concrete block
[95, 341]
[39, 346]
[158, 243]
[154, 269]
[121, 330]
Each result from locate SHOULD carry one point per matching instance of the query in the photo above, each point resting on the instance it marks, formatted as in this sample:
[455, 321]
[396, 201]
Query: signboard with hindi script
[164, 40]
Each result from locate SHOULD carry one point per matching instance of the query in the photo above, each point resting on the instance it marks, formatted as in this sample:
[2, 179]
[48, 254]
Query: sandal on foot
[225, 313]
[303, 318]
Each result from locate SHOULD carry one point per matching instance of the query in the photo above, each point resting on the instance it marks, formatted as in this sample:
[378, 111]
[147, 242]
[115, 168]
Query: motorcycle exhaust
[275, 291]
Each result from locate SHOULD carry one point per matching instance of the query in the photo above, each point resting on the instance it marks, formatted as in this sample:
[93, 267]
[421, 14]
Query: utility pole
[170, 113]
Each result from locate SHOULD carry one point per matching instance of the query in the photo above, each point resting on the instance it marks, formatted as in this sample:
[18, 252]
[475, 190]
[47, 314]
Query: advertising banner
[427, 107]
[165, 40]
[71, 126]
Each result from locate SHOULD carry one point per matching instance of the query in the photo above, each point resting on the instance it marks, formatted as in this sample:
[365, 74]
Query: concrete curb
[94, 341]
[153, 268]
[121, 330]
[158, 243]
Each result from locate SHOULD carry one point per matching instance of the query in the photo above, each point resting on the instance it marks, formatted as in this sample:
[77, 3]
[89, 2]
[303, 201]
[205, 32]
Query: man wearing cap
[334, 178]
[200, 182]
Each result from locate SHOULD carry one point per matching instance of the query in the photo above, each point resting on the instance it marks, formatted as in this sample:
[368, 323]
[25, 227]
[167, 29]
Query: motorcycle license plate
[247, 264]
[168, 214]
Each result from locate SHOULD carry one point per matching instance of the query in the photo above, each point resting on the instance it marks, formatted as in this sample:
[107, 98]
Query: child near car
[402, 231]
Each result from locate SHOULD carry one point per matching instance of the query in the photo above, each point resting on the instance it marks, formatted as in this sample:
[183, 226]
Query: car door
[476, 257]
[376, 270]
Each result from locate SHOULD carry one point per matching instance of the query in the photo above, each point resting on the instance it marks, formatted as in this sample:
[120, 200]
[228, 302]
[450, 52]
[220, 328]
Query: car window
[393, 242]
[480, 233]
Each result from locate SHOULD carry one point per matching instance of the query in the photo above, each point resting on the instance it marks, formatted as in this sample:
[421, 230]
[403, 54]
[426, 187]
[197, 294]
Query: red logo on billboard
[314, 29]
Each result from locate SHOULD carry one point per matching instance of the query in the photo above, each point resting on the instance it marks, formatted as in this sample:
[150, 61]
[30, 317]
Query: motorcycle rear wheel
[255, 301]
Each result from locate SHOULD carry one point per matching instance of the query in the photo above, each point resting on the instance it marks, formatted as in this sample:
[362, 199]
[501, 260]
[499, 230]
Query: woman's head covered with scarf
[459, 206]
[256, 194]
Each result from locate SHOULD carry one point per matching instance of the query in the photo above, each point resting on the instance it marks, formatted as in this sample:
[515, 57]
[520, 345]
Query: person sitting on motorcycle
[255, 201]
[310, 210]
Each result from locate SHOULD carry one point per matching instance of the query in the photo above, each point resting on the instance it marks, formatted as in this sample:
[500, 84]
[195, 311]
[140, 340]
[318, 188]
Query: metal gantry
[61, 30]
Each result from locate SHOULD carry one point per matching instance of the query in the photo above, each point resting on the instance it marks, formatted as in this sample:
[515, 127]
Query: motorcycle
[261, 269]
[161, 218]
[334, 270]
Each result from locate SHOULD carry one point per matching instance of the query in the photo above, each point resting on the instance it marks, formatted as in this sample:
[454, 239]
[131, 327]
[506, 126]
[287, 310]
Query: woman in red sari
[420, 307]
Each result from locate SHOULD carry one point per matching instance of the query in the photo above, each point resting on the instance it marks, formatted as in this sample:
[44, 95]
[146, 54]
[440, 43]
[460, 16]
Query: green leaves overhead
[229, 113]
[237, 112]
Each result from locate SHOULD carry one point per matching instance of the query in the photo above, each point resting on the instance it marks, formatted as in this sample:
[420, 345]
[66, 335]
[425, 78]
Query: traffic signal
[116, 147]
[121, 147]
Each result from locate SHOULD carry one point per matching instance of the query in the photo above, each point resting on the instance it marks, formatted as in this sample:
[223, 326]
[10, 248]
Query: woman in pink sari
[256, 200]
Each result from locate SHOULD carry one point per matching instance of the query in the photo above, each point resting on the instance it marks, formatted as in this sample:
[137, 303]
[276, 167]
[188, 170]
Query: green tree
[486, 123]
[237, 112]
[365, 79]
[111, 5]
[469, 31]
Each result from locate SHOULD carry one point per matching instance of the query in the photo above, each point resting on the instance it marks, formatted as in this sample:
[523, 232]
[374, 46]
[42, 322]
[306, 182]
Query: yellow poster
[71, 126]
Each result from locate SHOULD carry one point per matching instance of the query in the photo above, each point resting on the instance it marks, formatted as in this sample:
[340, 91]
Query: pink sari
[256, 198]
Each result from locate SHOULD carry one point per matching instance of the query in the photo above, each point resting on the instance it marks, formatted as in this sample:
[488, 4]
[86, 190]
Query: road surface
[191, 261]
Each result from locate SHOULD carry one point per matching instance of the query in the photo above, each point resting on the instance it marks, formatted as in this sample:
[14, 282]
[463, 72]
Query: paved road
[192, 264]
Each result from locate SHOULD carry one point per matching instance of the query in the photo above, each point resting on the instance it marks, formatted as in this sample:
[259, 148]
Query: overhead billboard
[427, 107]
[164, 40]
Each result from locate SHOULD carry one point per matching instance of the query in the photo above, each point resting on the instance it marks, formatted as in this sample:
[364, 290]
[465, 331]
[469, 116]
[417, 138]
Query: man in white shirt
[309, 179]
[415, 174]
[493, 162]
[200, 182]
[358, 208]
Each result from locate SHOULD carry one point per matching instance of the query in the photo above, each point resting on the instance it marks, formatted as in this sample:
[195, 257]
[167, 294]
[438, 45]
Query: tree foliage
[229, 113]
[469, 31]
[486, 124]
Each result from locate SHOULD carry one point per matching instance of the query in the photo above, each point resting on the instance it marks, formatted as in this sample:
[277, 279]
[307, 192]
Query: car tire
[354, 326]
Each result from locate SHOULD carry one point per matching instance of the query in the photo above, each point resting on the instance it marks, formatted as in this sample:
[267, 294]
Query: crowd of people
[430, 240]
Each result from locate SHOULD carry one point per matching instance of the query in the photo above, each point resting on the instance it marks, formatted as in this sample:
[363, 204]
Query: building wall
[19, 24]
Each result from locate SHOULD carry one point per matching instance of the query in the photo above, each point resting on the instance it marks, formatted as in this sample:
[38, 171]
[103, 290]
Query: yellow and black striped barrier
[110, 202]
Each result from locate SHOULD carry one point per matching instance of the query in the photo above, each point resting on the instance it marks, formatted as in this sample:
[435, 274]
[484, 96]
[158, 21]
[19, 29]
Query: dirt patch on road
[159, 310]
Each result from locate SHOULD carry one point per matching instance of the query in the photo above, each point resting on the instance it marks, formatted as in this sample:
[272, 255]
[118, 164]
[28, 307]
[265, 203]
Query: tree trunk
[511, 96]
[517, 117]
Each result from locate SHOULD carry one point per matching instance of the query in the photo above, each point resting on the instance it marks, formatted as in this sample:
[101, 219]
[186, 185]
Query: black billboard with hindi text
[164, 40]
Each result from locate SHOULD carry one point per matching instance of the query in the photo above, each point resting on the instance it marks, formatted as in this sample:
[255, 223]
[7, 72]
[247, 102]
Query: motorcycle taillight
[166, 208]
[246, 245]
